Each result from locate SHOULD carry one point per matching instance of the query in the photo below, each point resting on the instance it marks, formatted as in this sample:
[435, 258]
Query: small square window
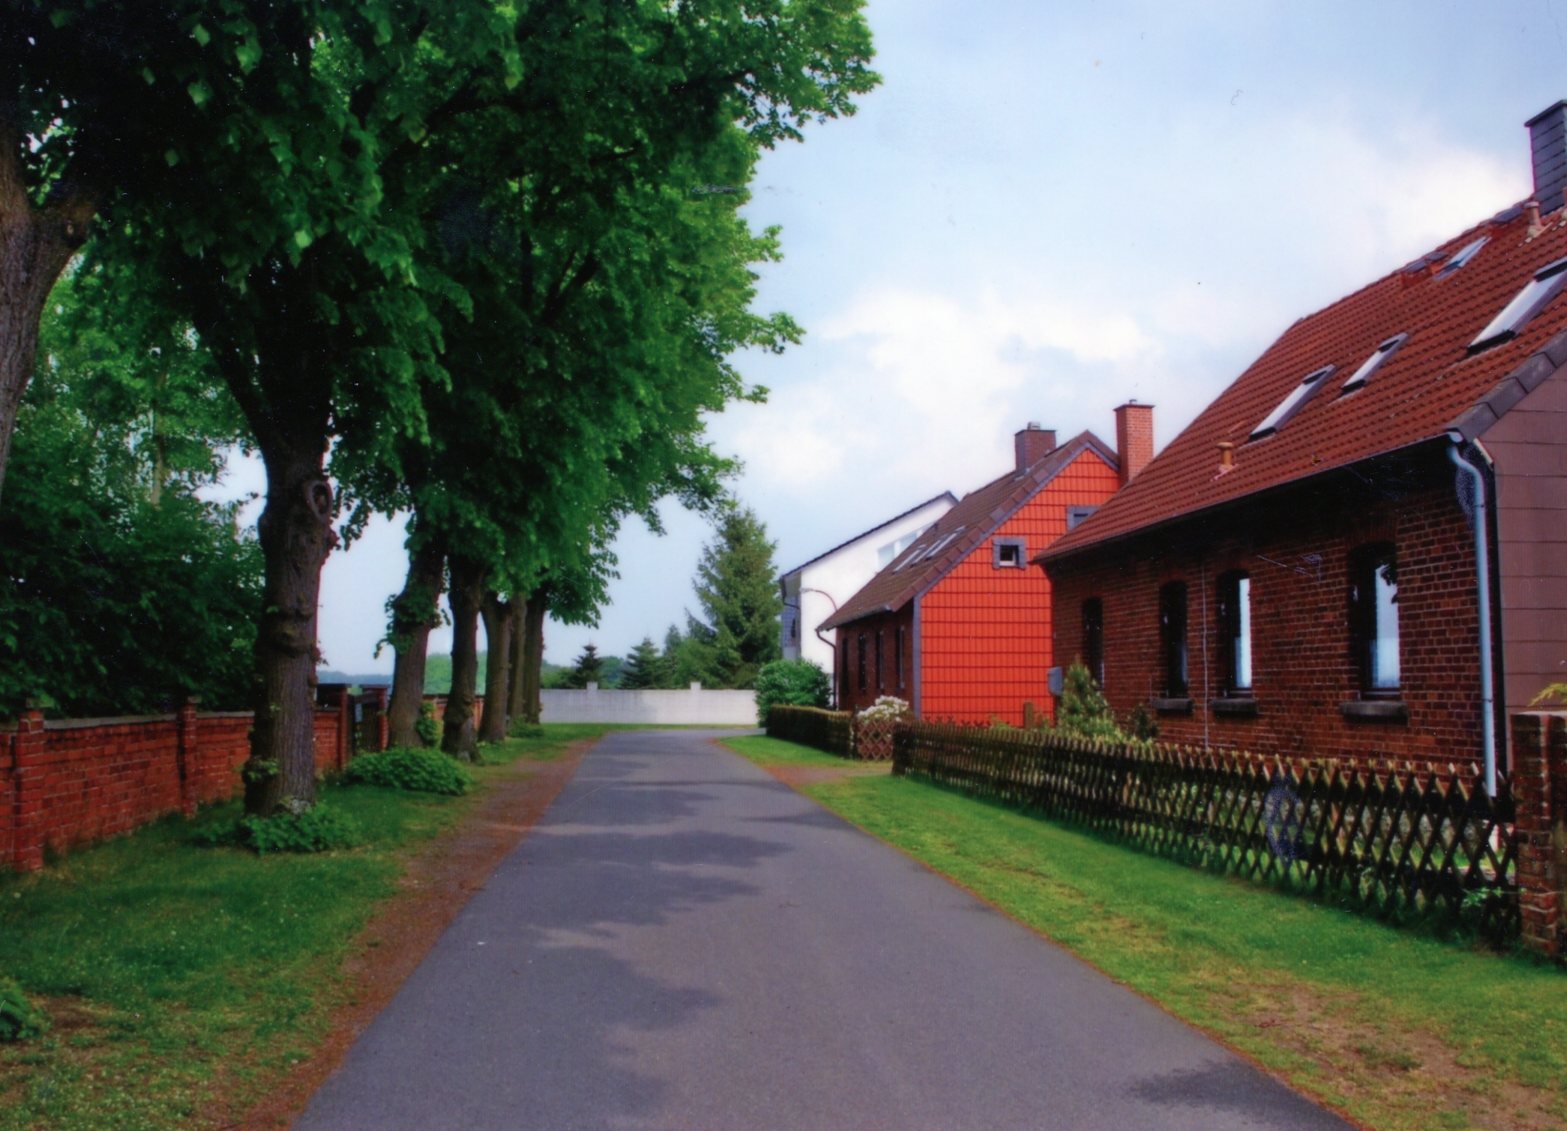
[1010, 553]
[1076, 515]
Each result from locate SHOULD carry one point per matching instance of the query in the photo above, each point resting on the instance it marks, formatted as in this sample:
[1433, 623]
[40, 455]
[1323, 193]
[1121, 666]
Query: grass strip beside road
[168, 966]
[1395, 1029]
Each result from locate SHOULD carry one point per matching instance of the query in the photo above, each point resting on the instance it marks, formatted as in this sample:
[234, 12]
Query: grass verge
[766, 751]
[166, 965]
[1398, 1030]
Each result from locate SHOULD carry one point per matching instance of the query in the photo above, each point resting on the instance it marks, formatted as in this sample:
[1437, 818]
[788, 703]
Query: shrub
[888, 708]
[790, 683]
[19, 1018]
[416, 771]
[1083, 711]
[316, 829]
[428, 730]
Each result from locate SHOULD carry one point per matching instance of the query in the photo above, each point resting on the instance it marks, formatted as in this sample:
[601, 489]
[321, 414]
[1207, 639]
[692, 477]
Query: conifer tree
[589, 668]
[737, 588]
[642, 667]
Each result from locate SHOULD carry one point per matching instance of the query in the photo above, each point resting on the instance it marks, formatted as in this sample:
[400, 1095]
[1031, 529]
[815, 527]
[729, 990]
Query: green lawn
[766, 751]
[1397, 1029]
[165, 964]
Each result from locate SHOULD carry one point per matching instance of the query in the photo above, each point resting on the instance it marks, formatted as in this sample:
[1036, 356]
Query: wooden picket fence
[1411, 844]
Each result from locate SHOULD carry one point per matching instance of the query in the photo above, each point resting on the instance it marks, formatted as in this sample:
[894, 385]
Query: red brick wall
[1295, 548]
[985, 633]
[73, 782]
[884, 681]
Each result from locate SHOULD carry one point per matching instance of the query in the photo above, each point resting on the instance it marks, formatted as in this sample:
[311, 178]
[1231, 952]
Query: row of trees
[480, 262]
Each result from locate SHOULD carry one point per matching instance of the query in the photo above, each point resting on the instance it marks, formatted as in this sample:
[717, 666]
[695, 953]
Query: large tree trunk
[296, 536]
[414, 614]
[533, 657]
[518, 635]
[458, 736]
[497, 638]
[35, 246]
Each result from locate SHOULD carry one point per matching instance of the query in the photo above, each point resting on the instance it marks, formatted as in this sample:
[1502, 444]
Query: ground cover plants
[173, 972]
[1396, 1029]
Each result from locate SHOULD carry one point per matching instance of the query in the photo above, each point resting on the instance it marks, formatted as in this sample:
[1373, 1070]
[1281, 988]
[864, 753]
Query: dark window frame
[1234, 622]
[1094, 639]
[1174, 649]
[860, 654]
[1366, 629]
[881, 681]
[900, 639]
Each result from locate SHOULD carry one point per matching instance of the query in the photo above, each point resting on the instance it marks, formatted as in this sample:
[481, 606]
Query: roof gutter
[1480, 518]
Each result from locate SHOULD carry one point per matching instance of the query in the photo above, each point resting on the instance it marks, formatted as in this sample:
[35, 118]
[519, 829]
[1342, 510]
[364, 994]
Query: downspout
[1483, 599]
[831, 647]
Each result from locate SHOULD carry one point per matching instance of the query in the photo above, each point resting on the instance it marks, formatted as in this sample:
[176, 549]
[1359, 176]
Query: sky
[1047, 210]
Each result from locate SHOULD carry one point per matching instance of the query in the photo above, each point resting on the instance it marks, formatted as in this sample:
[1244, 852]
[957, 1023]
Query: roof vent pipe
[1226, 456]
[1548, 145]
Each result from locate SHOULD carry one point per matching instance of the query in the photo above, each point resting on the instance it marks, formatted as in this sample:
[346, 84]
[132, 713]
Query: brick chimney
[1548, 142]
[1033, 444]
[1133, 438]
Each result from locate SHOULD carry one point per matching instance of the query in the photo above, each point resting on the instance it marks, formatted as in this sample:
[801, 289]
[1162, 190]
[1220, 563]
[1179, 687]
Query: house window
[881, 684]
[1235, 632]
[860, 649]
[897, 656]
[1010, 553]
[1172, 638]
[1293, 403]
[1373, 611]
[1384, 351]
[1075, 516]
[1094, 639]
[1525, 305]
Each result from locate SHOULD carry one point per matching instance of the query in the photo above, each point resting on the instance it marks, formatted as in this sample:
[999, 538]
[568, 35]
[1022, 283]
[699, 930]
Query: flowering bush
[889, 708]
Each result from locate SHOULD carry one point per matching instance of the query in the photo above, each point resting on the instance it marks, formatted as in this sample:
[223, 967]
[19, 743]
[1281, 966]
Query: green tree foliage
[736, 586]
[790, 683]
[1083, 711]
[641, 670]
[285, 170]
[588, 668]
[122, 591]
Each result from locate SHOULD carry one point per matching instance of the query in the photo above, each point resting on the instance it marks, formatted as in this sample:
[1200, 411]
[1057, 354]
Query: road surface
[683, 943]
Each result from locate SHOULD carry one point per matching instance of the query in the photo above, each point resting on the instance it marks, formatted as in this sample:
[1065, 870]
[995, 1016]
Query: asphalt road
[683, 943]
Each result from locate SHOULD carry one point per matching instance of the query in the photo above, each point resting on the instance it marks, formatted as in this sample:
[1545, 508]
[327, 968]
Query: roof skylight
[1461, 256]
[1525, 305]
[1293, 403]
[1384, 351]
[939, 545]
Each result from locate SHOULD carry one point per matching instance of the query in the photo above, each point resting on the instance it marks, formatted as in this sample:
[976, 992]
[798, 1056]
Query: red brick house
[958, 624]
[1363, 541]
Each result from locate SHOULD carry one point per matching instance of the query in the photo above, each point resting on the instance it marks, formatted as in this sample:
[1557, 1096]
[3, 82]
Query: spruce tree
[589, 668]
[642, 667]
[737, 587]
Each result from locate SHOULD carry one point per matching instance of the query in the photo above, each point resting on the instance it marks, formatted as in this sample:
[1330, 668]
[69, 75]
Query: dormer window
[1293, 403]
[1461, 256]
[1525, 305]
[1384, 351]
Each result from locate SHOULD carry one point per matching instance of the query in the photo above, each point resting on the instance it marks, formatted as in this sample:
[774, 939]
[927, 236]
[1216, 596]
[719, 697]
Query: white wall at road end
[696, 705]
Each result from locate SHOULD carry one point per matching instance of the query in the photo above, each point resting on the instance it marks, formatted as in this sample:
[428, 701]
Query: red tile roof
[974, 519]
[1430, 385]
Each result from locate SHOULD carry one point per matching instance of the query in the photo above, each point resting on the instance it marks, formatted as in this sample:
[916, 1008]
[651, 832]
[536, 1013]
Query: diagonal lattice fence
[1401, 844]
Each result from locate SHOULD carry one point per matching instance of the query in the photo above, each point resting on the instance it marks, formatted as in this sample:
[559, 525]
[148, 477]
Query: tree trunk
[414, 614]
[533, 657]
[515, 704]
[296, 536]
[35, 246]
[458, 736]
[497, 677]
